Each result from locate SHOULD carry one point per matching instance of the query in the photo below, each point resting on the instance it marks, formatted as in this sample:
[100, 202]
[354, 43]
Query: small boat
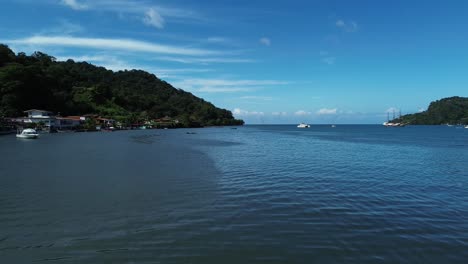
[333, 126]
[27, 133]
[303, 125]
[466, 126]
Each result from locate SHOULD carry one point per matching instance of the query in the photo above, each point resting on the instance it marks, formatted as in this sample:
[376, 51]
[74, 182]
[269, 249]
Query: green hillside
[452, 110]
[75, 88]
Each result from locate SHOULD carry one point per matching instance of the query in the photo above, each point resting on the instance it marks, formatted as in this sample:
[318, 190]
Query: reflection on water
[258, 194]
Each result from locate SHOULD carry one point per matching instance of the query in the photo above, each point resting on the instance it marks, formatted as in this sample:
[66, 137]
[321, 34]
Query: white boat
[303, 125]
[391, 124]
[466, 126]
[28, 133]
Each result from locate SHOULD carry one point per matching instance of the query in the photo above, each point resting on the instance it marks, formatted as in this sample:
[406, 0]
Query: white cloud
[114, 44]
[186, 60]
[302, 113]
[182, 70]
[253, 97]
[224, 85]
[240, 112]
[265, 41]
[117, 64]
[327, 111]
[420, 109]
[279, 113]
[349, 26]
[226, 82]
[222, 89]
[216, 39]
[74, 4]
[329, 60]
[153, 18]
[109, 62]
[340, 23]
[148, 13]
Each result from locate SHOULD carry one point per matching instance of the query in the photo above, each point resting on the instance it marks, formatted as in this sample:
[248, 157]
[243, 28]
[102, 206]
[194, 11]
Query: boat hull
[27, 136]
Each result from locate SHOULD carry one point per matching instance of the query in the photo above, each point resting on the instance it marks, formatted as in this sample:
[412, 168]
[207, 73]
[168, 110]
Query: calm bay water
[257, 194]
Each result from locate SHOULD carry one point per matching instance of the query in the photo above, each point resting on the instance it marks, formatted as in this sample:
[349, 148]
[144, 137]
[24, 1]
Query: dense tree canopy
[452, 110]
[75, 88]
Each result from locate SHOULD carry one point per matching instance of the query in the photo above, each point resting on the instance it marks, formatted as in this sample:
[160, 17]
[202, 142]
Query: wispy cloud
[65, 27]
[153, 18]
[325, 58]
[254, 97]
[224, 82]
[241, 112]
[117, 64]
[302, 113]
[111, 44]
[216, 39]
[148, 13]
[192, 60]
[265, 41]
[109, 62]
[327, 111]
[74, 4]
[349, 26]
[222, 89]
[224, 85]
[279, 113]
[329, 60]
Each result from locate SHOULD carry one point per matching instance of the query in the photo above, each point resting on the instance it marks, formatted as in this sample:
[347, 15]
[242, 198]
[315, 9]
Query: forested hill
[452, 110]
[38, 81]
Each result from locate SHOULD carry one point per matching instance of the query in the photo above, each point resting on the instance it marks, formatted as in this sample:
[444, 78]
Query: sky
[269, 62]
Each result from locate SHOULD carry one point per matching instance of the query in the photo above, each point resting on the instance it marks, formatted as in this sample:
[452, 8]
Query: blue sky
[266, 61]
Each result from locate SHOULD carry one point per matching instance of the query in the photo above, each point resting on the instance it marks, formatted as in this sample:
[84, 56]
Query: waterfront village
[47, 121]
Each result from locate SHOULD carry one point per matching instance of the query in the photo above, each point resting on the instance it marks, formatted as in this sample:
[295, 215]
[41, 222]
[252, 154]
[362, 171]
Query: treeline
[38, 81]
[452, 110]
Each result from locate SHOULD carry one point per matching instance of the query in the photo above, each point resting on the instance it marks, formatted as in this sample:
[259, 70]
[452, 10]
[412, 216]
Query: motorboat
[466, 126]
[303, 125]
[27, 133]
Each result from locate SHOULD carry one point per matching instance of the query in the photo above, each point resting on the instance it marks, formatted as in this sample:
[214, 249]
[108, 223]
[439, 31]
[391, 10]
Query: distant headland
[451, 110]
[70, 88]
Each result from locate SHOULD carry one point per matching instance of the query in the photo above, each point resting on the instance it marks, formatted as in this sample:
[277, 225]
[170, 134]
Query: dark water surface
[257, 194]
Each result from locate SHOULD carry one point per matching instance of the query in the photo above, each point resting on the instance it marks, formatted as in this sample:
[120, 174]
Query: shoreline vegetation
[78, 89]
[446, 111]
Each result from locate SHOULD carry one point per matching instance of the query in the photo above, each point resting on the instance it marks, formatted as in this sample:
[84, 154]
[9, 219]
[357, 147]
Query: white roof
[37, 110]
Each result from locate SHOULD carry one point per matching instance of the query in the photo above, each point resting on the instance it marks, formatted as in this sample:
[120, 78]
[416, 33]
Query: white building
[39, 116]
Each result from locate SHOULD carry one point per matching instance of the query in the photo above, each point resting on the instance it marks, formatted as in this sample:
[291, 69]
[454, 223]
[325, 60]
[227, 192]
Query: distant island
[452, 110]
[38, 81]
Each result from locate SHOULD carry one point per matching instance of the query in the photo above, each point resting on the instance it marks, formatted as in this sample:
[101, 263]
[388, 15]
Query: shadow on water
[94, 196]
